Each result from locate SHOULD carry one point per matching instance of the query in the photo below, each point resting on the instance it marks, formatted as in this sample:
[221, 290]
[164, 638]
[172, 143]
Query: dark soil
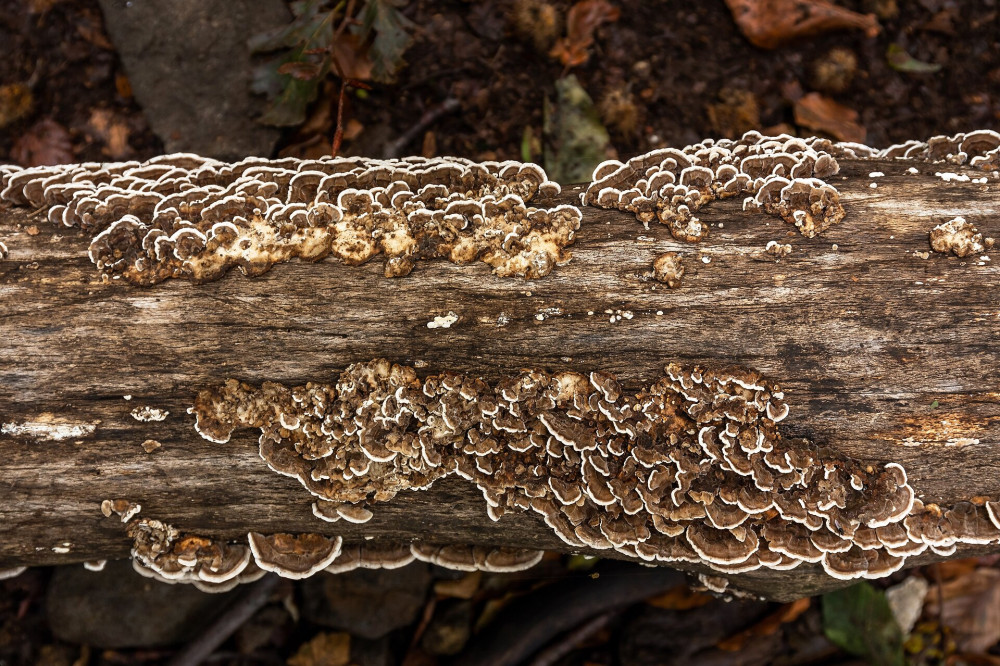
[667, 73]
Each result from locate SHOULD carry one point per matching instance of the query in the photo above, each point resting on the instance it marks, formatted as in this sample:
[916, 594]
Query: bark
[883, 356]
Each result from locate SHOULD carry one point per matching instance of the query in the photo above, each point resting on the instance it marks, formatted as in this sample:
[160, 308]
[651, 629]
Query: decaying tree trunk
[885, 353]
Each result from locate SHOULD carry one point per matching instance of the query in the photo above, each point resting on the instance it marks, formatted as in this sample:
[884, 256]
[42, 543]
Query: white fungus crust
[191, 217]
[689, 469]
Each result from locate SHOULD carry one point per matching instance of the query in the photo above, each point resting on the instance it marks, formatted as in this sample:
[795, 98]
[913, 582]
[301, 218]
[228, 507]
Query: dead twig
[217, 633]
[531, 622]
[430, 116]
[570, 641]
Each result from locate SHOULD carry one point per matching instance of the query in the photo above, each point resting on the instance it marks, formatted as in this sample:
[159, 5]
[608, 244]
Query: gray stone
[118, 608]
[190, 69]
[367, 602]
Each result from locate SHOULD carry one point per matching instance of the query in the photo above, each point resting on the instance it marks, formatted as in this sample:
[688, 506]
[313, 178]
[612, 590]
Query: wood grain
[875, 347]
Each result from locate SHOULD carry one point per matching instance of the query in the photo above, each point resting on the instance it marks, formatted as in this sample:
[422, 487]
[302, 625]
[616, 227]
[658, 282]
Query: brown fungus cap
[188, 217]
[371, 555]
[477, 558]
[294, 556]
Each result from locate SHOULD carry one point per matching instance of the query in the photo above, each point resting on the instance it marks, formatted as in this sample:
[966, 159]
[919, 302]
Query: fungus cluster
[979, 149]
[780, 175]
[161, 552]
[689, 469]
[191, 217]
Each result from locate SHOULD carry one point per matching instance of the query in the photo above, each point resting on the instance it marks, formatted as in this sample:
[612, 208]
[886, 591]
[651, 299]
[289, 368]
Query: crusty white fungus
[95, 565]
[691, 468]
[958, 237]
[190, 217]
[149, 414]
[4, 252]
[49, 427]
[12, 572]
[443, 321]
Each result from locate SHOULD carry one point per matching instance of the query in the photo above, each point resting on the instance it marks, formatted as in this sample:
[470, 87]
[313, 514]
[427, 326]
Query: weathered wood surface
[875, 347]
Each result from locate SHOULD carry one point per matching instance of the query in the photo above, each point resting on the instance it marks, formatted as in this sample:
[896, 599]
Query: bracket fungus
[294, 556]
[161, 552]
[477, 558]
[979, 149]
[691, 468]
[781, 175]
[370, 555]
[185, 216]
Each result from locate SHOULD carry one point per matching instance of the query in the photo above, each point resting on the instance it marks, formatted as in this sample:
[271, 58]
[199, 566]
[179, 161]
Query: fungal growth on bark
[979, 149]
[958, 237]
[783, 175]
[371, 555]
[689, 469]
[668, 269]
[477, 558]
[294, 555]
[190, 217]
[780, 175]
[161, 552]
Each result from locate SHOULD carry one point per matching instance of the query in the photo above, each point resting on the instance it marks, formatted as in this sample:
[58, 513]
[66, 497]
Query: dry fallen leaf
[582, 20]
[971, 608]
[766, 627]
[15, 102]
[112, 131]
[326, 649]
[45, 143]
[463, 588]
[681, 597]
[771, 23]
[824, 115]
[89, 26]
[351, 59]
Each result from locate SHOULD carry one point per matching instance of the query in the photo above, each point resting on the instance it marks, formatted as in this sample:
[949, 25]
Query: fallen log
[118, 344]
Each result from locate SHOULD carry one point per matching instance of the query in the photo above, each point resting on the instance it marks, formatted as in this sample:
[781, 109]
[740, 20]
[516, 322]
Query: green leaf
[582, 562]
[575, 140]
[391, 37]
[526, 138]
[935, 404]
[858, 620]
[901, 61]
[288, 108]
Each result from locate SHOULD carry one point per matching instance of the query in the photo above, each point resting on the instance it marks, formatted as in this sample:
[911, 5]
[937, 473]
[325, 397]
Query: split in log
[607, 383]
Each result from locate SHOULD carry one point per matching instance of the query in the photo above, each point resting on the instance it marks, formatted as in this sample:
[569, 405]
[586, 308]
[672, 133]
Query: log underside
[883, 356]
